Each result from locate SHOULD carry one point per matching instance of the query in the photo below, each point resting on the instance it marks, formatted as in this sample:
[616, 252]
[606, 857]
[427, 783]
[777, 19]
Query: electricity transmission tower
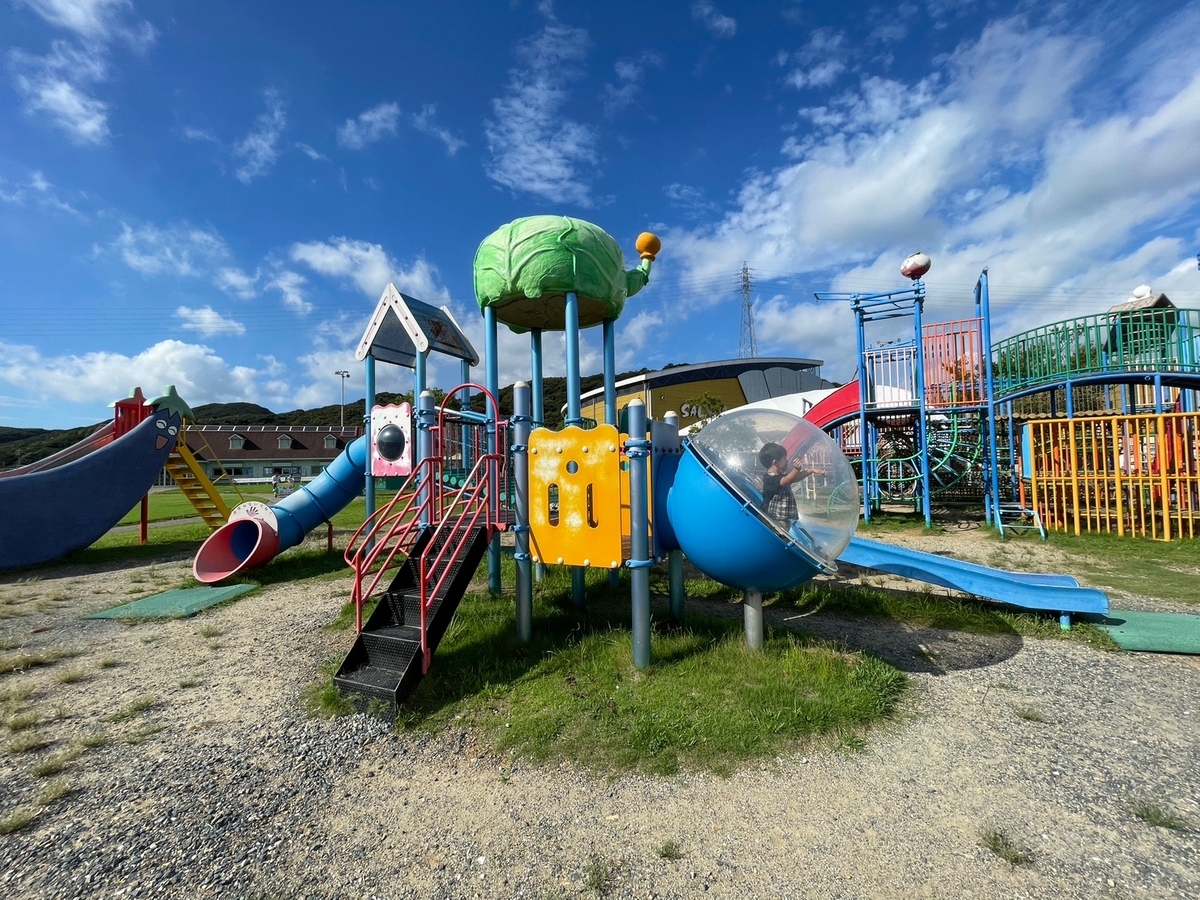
[747, 346]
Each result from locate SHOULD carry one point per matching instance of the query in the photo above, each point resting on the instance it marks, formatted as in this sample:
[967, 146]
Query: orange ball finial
[648, 245]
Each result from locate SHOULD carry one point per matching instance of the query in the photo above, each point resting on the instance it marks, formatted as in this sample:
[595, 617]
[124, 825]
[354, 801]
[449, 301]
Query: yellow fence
[1128, 475]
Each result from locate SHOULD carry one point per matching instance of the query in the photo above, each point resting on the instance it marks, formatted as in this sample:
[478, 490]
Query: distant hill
[19, 446]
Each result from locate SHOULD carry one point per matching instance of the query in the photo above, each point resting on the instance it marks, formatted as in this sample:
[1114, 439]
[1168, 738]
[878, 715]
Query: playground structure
[1082, 425]
[578, 496]
[69, 499]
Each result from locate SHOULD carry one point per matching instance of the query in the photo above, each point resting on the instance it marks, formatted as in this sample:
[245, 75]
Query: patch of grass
[597, 874]
[321, 697]
[1153, 814]
[135, 708]
[930, 610]
[211, 631]
[345, 617]
[109, 663]
[17, 819]
[145, 732]
[1029, 714]
[92, 739]
[71, 676]
[189, 682]
[706, 701]
[24, 720]
[670, 850]
[27, 742]
[53, 765]
[996, 841]
[54, 791]
[32, 659]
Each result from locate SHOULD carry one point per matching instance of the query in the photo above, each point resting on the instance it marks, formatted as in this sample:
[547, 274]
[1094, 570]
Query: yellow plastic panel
[574, 497]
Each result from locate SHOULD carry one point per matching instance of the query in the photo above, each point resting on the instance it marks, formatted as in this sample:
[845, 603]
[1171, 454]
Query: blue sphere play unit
[595, 496]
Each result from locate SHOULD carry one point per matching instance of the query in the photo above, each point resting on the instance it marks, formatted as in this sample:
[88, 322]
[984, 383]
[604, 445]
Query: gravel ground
[211, 781]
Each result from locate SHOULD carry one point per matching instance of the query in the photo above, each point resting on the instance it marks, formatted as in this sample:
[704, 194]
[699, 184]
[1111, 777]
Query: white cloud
[423, 122]
[312, 153]
[819, 62]
[97, 20]
[60, 83]
[1004, 158]
[37, 191]
[233, 280]
[177, 250]
[55, 85]
[98, 378]
[718, 24]
[368, 127]
[369, 267]
[259, 149]
[206, 321]
[291, 287]
[535, 148]
[630, 74]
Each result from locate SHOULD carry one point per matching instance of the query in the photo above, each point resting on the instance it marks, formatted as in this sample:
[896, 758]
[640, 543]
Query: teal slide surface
[1056, 593]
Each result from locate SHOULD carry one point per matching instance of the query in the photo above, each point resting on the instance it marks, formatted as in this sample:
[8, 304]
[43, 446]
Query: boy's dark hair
[769, 453]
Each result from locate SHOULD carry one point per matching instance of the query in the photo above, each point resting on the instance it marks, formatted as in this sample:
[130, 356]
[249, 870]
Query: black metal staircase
[387, 660]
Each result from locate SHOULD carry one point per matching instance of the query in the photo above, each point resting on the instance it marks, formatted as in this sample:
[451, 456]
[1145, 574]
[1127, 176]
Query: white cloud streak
[423, 122]
[718, 24]
[535, 148]
[369, 267]
[207, 322]
[259, 149]
[370, 126]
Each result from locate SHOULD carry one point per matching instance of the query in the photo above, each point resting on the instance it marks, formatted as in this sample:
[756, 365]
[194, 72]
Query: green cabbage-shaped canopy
[525, 269]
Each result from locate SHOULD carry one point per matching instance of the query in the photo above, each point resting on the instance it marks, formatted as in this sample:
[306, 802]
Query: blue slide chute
[1056, 593]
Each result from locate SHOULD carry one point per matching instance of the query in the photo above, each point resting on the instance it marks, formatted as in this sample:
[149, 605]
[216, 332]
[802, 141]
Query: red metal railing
[426, 499]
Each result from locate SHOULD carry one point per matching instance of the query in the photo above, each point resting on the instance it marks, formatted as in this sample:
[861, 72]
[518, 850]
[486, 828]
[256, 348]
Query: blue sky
[215, 194]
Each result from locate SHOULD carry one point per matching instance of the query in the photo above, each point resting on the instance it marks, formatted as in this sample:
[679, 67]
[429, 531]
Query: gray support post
[521, 422]
[637, 448]
[753, 616]
[675, 557]
[426, 419]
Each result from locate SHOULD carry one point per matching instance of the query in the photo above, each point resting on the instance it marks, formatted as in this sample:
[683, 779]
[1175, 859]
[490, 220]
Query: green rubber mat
[173, 604]
[1151, 631]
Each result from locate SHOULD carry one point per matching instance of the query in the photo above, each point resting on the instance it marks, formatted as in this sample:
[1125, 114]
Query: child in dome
[776, 488]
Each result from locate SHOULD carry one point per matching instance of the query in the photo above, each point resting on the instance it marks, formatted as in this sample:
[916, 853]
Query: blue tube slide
[256, 533]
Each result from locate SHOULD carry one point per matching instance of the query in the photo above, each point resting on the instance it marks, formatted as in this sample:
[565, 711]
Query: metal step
[369, 681]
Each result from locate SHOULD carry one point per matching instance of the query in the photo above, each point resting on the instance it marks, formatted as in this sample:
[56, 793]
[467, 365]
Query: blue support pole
[493, 385]
[369, 404]
[521, 422]
[867, 477]
[610, 371]
[1070, 394]
[923, 414]
[637, 448]
[675, 557]
[420, 379]
[539, 412]
[571, 315]
[610, 400]
[1158, 394]
[572, 335]
[1012, 453]
[535, 360]
[426, 421]
[983, 310]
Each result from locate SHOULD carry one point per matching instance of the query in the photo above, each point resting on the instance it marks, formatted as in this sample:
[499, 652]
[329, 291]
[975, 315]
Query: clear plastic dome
[816, 503]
